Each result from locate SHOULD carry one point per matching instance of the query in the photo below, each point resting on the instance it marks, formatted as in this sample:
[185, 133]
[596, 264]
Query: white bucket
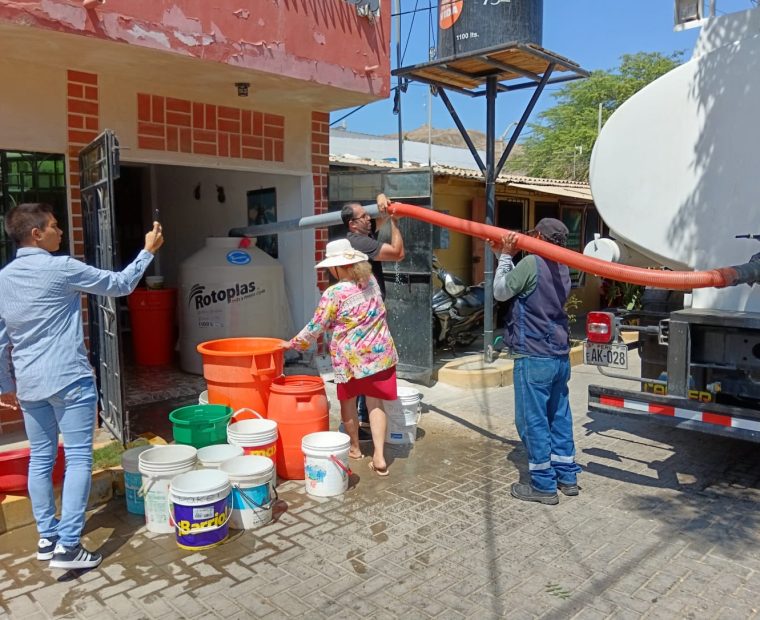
[133, 479]
[211, 457]
[257, 436]
[253, 493]
[158, 466]
[403, 416]
[326, 463]
[203, 398]
[201, 508]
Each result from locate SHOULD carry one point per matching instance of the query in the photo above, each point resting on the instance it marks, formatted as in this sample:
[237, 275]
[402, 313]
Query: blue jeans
[544, 421]
[71, 411]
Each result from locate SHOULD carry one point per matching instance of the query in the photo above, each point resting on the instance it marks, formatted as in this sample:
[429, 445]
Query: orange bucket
[298, 404]
[239, 371]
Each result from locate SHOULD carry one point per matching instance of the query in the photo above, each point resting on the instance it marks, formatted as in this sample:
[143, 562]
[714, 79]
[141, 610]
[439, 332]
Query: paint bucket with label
[212, 457]
[255, 435]
[133, 479]
[326, 463]
[201, 508]
[158, 466]
[403, 416]
[253, 492]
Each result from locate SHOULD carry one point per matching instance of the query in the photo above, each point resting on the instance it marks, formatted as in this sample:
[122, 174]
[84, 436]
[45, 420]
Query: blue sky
[593, 33]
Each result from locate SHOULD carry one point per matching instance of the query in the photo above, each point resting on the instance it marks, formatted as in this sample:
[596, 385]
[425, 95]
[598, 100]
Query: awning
[579, 193]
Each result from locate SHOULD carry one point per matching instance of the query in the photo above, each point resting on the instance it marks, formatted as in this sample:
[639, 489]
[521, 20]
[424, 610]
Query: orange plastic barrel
[154, 326]
[239, 371]
[299, 405]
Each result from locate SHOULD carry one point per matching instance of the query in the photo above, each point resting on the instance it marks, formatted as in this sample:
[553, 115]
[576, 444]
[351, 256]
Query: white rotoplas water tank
[229, 292]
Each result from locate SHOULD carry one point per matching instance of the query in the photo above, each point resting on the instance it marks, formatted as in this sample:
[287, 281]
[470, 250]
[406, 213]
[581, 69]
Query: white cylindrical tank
[674, 170]
[229, 292]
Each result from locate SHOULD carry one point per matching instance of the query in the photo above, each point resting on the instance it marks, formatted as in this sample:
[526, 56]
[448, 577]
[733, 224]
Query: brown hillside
[452, 137]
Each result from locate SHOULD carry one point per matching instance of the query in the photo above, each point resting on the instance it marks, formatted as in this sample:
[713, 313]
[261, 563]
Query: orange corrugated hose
[674, 280]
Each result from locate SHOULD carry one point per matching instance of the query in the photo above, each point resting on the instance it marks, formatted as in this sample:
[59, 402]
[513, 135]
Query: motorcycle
[457, 310]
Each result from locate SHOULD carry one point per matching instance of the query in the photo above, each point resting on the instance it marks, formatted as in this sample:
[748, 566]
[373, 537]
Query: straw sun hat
[339, 253]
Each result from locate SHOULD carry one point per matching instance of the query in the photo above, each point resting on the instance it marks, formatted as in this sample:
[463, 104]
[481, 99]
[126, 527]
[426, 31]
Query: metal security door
[99, 167]
[408, 284]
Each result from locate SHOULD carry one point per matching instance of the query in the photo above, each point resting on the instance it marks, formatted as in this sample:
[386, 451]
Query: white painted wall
[32, 108]
[187, 221]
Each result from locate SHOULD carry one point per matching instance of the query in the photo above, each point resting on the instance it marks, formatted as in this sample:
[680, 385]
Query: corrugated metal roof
[558, 187]
[581, 193]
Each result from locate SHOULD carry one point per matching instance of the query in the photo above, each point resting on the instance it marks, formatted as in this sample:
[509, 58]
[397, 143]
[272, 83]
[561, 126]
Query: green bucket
[200, 425]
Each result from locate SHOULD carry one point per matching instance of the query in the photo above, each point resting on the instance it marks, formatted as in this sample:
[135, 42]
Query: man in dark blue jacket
[538, 338]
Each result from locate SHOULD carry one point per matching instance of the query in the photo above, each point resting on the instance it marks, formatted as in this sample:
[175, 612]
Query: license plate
[610, 355]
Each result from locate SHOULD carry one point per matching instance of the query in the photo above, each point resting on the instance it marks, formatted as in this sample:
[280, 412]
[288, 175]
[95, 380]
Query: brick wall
[83, 120]
[83, 114]
[320, 163]
[183, 126]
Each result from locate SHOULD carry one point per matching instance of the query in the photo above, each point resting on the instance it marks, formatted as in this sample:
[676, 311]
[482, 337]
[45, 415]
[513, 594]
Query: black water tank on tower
[466, 26]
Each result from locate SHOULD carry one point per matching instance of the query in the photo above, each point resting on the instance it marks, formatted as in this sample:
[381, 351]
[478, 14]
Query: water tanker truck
[675, 174]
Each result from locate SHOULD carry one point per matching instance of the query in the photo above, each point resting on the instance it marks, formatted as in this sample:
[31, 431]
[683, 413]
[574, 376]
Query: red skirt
[381, 385]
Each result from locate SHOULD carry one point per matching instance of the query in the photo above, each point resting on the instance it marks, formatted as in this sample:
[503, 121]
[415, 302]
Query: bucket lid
[167, 456]
[200, 482]
[248, 465]
[297, 384]
[254, 426]
[218, 453]
[326, 440]
[131, 457]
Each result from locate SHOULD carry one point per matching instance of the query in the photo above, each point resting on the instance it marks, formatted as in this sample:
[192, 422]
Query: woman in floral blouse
[362, 351]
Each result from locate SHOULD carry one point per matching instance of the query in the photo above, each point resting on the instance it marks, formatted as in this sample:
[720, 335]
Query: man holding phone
[44, 369]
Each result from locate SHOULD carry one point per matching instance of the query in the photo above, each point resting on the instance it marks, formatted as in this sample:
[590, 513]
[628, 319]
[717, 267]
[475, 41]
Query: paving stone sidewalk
[666, 526]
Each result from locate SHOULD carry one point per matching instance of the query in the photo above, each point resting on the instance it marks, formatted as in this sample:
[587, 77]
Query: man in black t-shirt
[360, 232]
[362, 237]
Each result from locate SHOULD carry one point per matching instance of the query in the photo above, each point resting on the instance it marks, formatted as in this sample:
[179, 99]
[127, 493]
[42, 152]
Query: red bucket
[154, 326]
[14, 470]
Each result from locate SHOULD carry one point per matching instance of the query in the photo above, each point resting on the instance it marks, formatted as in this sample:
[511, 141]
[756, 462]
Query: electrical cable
[347, 115]
[409, 34]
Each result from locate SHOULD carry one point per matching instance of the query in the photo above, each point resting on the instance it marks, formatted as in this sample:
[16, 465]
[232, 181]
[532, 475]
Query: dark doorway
[32, 177]
[510, 214]
[129, 199]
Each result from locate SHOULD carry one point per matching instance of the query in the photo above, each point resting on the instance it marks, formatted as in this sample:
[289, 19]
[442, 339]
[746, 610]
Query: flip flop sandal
[380, 472]
[356, 458]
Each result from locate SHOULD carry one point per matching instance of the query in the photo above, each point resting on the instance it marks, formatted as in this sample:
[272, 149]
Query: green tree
[560, 143]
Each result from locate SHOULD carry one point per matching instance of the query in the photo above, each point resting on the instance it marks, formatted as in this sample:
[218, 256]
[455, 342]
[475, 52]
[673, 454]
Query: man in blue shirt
[538, 338]
[44, 368]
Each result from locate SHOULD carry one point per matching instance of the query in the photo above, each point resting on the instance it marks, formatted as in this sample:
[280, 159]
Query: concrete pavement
[666, 526]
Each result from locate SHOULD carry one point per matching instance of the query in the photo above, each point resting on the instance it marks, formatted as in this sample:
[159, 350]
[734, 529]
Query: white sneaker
[77, 557]
[45, 547]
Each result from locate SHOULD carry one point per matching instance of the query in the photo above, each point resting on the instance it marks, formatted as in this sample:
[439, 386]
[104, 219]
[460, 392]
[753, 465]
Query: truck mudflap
[737, 422]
